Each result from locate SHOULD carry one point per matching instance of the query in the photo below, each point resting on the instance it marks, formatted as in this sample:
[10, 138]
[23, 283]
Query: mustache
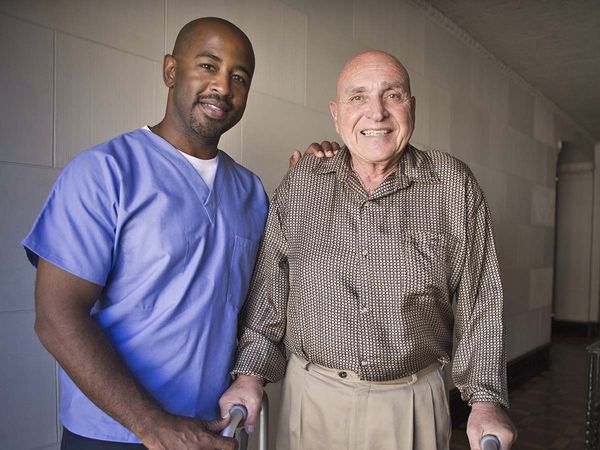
[216, 99]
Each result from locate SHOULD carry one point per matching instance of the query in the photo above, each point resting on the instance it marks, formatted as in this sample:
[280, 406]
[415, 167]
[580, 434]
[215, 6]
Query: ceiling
[553, 44]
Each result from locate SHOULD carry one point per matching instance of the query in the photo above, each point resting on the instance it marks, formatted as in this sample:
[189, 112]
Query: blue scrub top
[175, 258]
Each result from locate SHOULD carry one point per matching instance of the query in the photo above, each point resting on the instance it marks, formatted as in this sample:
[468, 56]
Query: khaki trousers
[328, 409]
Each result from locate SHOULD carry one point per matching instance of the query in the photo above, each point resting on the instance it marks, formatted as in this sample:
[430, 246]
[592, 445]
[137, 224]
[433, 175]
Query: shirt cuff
[485, 397]
[235, 375]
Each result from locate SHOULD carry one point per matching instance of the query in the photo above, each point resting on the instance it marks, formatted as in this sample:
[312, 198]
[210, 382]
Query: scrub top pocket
[241, 268]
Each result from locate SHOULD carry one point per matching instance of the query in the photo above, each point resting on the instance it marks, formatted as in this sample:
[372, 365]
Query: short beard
[210, 131]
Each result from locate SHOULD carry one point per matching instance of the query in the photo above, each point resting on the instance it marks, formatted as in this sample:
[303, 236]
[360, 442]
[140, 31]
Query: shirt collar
[414, 166]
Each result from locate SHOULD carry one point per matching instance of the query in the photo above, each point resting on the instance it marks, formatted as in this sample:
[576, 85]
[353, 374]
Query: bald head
[374, 111]
[372, 59]
[204, 26]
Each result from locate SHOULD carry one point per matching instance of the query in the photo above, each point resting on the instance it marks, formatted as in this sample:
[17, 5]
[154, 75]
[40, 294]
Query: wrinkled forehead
[368, 70]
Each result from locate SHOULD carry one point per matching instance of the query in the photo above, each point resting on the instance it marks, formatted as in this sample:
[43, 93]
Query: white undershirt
[206, 168]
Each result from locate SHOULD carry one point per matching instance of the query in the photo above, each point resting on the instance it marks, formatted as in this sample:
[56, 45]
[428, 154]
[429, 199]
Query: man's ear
[333, 109]
[169, 70]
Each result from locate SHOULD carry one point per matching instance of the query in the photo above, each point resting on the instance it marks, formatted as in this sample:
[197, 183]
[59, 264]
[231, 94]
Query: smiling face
[209, 77]
[374, 109]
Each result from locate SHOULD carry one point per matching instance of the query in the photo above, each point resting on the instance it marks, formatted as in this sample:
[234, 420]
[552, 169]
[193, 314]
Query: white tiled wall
[28, 395]
[26, 90]
[75, 73]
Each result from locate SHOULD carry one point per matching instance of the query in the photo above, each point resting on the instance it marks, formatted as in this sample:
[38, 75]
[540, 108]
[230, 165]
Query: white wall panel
[518, 200]
[494, 185]
[439, 117]
[542, 205]
[543, 128]
[420, 91]
[28, 394]
[135, 26]
[100, 93]
[495, 91]
[540, 286]
[180, 12]
[469, 131]
[506, 249]
[447, 60]
[276, 30]
[498, 143]
[396, 27]
[573, 247]
[24, 191]
[515, 283]
[231, 143]
[329, 44]
[272, 128]
[278, 33]
[26, 90]
[520, 108]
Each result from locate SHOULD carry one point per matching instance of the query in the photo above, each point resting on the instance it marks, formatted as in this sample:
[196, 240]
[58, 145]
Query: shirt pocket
[241, 267]
[427, 263]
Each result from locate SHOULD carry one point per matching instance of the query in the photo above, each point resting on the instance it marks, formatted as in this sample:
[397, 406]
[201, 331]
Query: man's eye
[356, 98]
[397, 96]
[239, 79]
[206, 66]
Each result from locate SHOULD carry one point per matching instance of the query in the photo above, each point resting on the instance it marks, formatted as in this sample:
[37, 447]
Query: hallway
[549, 410]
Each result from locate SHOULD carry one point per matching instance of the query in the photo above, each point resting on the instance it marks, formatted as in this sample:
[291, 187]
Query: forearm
[85, 353]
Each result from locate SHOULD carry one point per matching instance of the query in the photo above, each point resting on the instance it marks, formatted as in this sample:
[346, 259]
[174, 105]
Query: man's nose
[377, 111]
[221, 84]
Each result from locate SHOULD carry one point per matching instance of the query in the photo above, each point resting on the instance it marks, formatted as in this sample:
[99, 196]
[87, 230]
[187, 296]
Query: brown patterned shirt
[378, 284]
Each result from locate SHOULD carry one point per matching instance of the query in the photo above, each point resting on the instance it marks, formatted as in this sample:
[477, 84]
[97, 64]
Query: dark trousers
[72, 441]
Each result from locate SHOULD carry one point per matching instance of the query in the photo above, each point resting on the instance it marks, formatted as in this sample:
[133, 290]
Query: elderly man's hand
[490, 418]
[185, 433]
[325, 148]
[248, 391]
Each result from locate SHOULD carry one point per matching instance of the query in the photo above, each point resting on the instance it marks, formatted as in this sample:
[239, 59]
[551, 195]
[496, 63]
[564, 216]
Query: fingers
[215, 426]
[314, 149]
[223, 443]
[295, 158]
[220, 442]
[250, 422]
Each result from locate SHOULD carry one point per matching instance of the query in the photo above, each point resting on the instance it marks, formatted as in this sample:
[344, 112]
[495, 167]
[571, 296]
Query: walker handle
[237, 413]
[490, 442]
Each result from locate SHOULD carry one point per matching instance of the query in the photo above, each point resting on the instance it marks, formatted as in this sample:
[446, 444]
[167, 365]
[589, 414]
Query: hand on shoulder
[324, 149]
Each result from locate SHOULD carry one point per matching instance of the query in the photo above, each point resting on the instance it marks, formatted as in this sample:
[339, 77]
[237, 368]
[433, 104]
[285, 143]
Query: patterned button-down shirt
[378, 284]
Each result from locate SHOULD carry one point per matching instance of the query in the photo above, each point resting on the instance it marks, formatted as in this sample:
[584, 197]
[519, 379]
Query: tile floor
[549, 410]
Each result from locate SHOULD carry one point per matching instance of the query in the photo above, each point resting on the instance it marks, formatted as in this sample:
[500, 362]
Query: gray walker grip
[489, 442]
[239, 413]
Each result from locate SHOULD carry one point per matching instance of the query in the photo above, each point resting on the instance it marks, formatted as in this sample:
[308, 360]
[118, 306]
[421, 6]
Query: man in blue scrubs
[144, 251]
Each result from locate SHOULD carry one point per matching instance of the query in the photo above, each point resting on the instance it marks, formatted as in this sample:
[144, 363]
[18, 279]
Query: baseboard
[518, 371]
[587, 329]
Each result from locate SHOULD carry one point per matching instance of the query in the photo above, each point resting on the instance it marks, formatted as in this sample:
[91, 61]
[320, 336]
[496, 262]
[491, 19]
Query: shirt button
[364, 363]
[342, 374]
[364, 310]
[364, 252]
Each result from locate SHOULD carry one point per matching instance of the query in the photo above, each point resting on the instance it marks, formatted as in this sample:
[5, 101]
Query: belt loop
[413, 379]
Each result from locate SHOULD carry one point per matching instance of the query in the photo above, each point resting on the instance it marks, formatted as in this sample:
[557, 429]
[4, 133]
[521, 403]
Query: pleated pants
[329, 409]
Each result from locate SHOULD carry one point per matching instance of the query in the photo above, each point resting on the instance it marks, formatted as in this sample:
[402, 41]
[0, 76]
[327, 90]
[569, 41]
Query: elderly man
[145, 249]
[363, 257]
